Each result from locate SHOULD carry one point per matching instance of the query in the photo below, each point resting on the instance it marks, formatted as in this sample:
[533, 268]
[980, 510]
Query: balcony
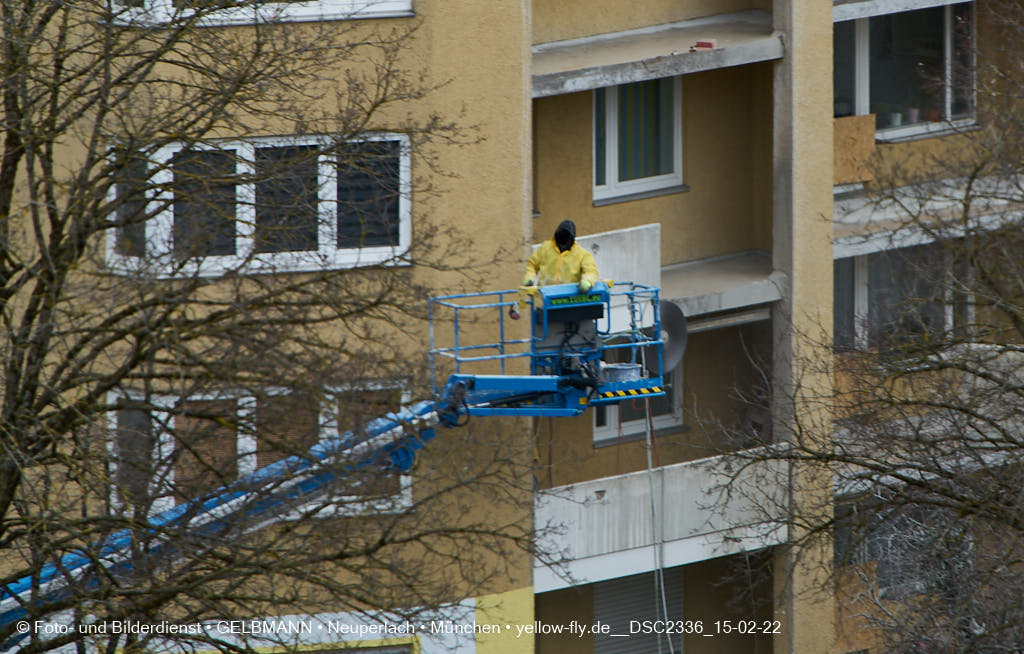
[604, 527]
[649, 53]
[723, 291]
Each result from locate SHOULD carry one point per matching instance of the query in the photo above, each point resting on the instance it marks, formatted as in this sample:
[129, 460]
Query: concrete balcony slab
[649, 53]
[729, 283]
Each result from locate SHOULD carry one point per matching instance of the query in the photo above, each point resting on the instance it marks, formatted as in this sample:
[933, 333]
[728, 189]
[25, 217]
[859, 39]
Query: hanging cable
[657, 535]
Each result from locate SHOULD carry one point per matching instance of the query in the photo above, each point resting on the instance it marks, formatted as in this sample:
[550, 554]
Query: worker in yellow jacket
[561, 260]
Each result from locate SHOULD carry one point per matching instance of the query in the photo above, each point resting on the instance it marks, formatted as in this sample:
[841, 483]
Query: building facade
[693, 143]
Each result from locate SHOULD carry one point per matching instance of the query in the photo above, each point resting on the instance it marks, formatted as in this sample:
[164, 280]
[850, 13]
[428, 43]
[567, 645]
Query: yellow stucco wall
[802, 240]
[482, 183]
[556, 20]
[513, 608]
[715, 367]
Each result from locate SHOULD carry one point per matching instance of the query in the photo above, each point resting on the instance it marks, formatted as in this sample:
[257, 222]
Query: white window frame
[862, 71]
[160, 12]
[246, 449]
[352, 504]
[159, 227]
[163, 480]
[613, 188]
[609, 434]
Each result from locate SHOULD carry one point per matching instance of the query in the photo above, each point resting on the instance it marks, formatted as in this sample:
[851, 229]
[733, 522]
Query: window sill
[924, 131]
[213, 267]
[629, 197]
[353, 506]
[606, 441]
[159, 12]
[842, 191]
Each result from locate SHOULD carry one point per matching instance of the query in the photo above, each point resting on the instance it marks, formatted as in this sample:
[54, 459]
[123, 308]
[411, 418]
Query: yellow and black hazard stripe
[633, 392]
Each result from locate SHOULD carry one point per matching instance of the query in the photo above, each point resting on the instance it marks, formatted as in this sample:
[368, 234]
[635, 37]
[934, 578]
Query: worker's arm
[532, 268]
[588, 272]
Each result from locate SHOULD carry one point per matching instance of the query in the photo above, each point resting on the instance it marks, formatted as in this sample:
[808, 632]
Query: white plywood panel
[627, 255]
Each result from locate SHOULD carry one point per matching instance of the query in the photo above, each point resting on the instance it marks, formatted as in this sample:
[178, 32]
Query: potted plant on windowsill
[881, 110]
[915, 102]
[887, 116]
[895, 117]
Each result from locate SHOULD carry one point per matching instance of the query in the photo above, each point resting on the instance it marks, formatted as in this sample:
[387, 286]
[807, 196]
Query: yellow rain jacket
[549, 266]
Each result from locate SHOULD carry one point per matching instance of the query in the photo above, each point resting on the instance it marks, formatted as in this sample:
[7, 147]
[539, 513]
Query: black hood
[565, 235]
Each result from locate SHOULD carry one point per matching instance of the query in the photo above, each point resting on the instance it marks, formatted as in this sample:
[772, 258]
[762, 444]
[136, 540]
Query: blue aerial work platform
[584, 349]
[578, 353]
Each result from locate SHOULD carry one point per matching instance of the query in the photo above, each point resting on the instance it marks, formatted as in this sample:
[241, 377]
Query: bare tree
[207, 267]
[925, 405]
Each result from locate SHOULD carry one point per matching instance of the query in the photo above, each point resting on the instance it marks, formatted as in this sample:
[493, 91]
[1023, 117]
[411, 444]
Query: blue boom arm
[389, 442]
[565, 369]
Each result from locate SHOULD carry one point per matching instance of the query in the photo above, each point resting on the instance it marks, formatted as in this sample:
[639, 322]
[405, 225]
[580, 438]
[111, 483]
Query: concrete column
[802, 249]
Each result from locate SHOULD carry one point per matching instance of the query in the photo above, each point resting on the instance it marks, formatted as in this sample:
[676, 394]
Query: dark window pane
[204, 203]
[358, 407]
[915, 549]
[844, 550]
[368, 194]
[918, 549]
[635, 409]
[134, 445]
[843, 65]
[286, 424]
[961, 283]
[131, 208]
[355, 409]
[904, 295]
[645, 129]
[207, 456]
[286, 199]
[843, 304]
[963, 60]
[907, 67]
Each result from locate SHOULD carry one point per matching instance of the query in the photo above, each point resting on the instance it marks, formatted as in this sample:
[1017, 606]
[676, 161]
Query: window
[268, 205]
[130, 208]
[891, 297]
[208, 450]
[627, 420]
[162, 11]
[915, 549]
[353, 409]
[285, 424]
[134, 456]
[914, 70]
[638, 138]
[167, 451]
